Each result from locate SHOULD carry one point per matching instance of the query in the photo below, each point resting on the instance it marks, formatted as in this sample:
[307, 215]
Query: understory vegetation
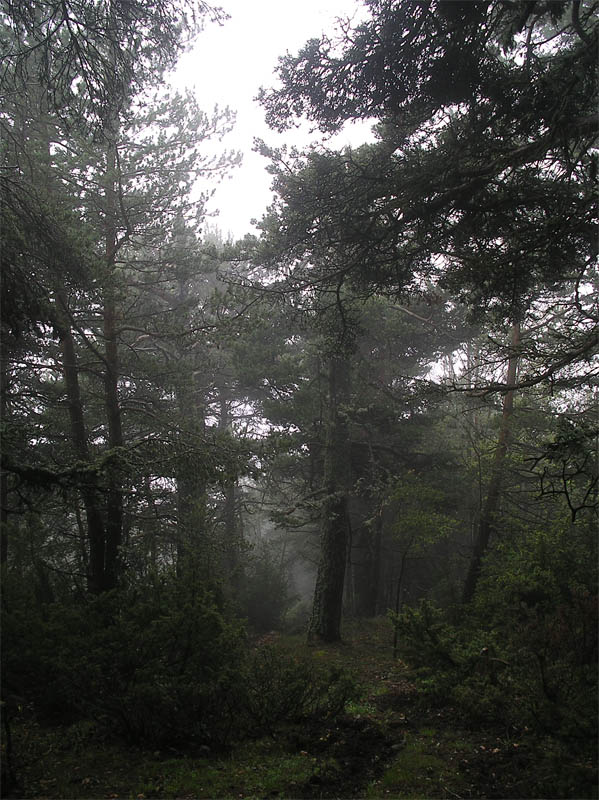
[337, 720]
[160, 691]
[311, 514]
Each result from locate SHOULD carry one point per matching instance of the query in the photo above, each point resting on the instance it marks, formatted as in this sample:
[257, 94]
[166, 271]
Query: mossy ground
[386, 744]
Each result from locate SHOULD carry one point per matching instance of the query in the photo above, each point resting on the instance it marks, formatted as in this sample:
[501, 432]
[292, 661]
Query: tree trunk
[372, 568]
[96, 532]
[193, 553]
[325, 623]
[365, 556]
[229, 511]
[3, 474]
[96, 581]
[488, 514]
[398, 598]
[3, 517]
[114, 496]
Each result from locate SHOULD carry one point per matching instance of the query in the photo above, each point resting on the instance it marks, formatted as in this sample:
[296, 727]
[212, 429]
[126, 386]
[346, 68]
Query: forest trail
[386, 744]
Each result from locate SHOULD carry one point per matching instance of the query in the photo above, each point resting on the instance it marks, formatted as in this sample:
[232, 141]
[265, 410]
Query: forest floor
[386, 744]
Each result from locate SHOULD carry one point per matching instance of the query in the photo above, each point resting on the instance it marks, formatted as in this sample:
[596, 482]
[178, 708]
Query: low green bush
[525, 651]
[265, 593]
[149, 663]
[279, 686]
[160, 665]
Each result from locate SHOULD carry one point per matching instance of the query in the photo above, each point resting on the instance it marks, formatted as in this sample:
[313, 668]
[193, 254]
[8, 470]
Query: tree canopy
[382, 405]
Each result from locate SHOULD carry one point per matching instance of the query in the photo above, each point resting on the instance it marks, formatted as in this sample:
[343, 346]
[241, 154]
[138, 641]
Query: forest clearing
[313, 512]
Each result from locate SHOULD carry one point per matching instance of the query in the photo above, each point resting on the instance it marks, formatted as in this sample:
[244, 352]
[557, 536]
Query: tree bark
[487, 520]
[229, 511]
[114, 506]
[193, 554]
[114, 496]
[369, 588]
[3, 474]
[325, 623]
[96, 531]
[398, 599]
[96, 581]
[365, 555]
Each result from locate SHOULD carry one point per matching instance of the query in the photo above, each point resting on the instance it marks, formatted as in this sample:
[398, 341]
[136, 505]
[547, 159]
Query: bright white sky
[229, 64]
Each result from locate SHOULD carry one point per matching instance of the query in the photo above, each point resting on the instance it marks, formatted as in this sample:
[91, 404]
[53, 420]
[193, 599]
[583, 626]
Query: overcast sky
[229, 64]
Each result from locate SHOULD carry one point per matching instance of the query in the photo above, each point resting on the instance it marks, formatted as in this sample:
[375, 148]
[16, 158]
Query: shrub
[279, 686]
[525, 652]
[265, 595]
[159, 665]
[149, 663]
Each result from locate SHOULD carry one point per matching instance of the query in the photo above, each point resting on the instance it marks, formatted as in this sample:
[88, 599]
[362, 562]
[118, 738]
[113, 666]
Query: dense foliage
[159, 665]
[384, 404]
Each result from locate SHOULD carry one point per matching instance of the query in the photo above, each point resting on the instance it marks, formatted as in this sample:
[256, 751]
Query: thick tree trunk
[193, 555]
[489, 510]
[399, 591]
[230, 530]
[3, 517]
[114, 495]
[96, 533]
[325, 623]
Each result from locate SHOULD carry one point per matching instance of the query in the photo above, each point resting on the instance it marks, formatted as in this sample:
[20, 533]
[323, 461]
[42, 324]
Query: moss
[415, 772]
[255, 771]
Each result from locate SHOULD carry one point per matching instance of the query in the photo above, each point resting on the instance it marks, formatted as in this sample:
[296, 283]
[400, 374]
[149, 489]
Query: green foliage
[428, 641]
[543, 593]
[419, 523]
[110, 50]
[151, 664]
[279, 686]
[159, 665]
[265, 595]
[527, 651]
[260, 772]
[405, 775]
